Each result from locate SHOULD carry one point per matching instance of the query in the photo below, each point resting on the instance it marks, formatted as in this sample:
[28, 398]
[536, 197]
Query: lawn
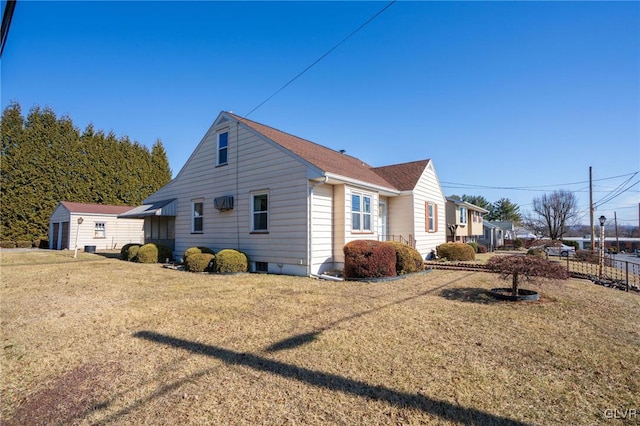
[97, 340]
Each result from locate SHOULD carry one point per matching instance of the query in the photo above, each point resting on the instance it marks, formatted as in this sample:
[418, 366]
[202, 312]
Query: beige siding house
[464, 221]
[292, 204]
[82, 225]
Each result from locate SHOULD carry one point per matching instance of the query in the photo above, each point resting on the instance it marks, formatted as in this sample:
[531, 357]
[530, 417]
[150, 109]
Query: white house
[291, 204]
[92, 225]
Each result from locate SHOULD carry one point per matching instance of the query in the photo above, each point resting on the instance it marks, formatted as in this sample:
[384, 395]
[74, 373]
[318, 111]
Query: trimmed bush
[24, 244]
[196, 250]
[148, 253]
[482, 248]
[198, 262]
[518, 243]
[229, 260]
[369, 259]
[132, 253]
[537, 252]
[408, 259]
[8, 244]
[124, 251]
[475, 246]
[456, 251]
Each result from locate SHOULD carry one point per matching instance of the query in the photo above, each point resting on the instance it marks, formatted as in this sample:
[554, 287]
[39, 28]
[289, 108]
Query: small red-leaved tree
[516, 266]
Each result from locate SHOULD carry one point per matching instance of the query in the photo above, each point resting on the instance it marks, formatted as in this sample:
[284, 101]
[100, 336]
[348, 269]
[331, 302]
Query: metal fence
[615, 272]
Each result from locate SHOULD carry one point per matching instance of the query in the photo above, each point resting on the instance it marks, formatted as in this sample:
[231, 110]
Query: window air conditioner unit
[223, 203]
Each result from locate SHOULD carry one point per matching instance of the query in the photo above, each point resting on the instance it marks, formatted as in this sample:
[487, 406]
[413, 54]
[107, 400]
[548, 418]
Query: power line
[531, 188]
[6, 23]
[354, 32]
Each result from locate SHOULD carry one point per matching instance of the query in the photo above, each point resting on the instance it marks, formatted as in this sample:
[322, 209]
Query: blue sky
[509, 99]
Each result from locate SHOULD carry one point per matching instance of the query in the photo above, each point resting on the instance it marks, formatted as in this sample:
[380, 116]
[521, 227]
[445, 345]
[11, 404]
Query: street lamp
[75, 252]
[602, 220]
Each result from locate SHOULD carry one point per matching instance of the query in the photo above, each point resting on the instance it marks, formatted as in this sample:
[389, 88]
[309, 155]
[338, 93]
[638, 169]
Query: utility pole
[593, 238]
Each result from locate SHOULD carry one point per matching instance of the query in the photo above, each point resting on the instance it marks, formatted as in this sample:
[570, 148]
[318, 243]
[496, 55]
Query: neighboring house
[493, 236]
[464, 221]
[290, 204]
[508, 228]
[78, 225]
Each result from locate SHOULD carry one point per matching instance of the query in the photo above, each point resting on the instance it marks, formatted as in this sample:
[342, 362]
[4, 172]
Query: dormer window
[223, 149]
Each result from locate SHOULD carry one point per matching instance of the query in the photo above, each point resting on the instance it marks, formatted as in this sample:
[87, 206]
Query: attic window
[223, 148]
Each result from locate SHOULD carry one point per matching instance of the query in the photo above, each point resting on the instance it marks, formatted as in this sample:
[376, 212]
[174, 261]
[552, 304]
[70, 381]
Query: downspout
[310, 223]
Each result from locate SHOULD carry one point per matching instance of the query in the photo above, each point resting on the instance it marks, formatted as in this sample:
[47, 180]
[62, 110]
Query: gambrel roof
[399, 177]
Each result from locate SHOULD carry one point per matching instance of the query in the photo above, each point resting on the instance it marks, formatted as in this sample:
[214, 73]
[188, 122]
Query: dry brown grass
[102, 341]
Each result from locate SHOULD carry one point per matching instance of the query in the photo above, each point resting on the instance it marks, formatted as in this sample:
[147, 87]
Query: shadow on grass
[444, 410]
[306, 338]
[471, 295]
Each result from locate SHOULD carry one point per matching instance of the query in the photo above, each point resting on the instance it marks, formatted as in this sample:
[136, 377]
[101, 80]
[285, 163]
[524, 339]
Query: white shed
[94, 226]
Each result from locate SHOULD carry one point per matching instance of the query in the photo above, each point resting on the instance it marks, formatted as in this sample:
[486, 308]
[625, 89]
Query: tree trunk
[514, 285]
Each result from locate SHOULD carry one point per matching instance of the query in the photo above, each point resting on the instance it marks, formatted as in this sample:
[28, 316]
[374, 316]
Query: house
[98, 226]
[508, 228]
[464, 221]
[290, 204]
[493, 236]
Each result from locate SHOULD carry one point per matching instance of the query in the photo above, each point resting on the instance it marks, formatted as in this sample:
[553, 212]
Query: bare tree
[554, 213]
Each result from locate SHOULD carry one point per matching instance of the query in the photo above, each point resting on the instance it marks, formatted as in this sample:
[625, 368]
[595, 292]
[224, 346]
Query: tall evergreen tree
[46, 159]
[505, 210]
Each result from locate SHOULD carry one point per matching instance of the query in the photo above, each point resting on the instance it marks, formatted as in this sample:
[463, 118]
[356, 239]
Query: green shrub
[196, 250]
[518, 243]
[199, 262]
[148, 253]
[229, 260]
[537, 252]
[482, 248]
[369, 259]
[408, 259]
[456, 251]
[132, 253]
[475, 246]
[124, 251]
[24, 244]
[8, 244]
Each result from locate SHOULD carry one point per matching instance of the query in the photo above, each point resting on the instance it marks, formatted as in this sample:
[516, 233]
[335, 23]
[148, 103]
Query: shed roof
[104, 209]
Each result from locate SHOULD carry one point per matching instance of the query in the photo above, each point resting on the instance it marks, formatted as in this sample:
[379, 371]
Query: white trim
[252, 196]
[193, 215]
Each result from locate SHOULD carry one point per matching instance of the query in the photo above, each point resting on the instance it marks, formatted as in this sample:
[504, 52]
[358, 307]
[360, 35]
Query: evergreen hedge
[199, 262]
[408, 259]
[229, 260]
[456, 251]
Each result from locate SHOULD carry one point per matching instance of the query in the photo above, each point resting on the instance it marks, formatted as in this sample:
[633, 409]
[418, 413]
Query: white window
[260, 212]
[463, 215]
[360, 212]
[197, 217]
[223, 148]
[100, 230]
[432, 217]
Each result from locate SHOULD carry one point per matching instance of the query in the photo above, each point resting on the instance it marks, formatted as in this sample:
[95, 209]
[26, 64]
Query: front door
[382, 221]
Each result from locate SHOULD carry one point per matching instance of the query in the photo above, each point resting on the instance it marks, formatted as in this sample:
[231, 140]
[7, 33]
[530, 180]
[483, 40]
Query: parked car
[563, 251]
